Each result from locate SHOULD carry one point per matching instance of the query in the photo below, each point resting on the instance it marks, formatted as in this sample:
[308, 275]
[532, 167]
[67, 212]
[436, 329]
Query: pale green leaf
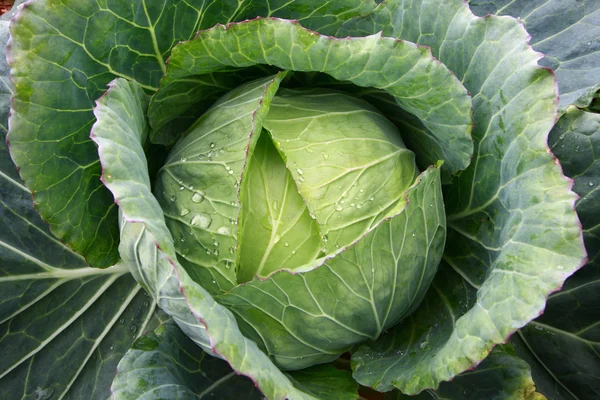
[276, 230]
[349, 163]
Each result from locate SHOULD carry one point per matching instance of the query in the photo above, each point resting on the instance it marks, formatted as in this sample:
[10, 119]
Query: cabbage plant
[292, 199]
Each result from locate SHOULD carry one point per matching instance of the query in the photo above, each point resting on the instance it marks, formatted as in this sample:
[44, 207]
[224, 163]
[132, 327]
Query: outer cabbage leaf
[62, 55]
[501, 376]
[567, 32]
[419, 83]
[513, 235]
[63, 325]
[147, 245]
[562, 345]
[167, 364]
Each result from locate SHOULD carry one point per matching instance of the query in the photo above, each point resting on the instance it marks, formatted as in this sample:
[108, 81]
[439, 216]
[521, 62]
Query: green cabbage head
[290, 182]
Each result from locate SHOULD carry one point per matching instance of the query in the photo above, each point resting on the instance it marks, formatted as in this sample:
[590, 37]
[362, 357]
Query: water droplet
[184, 212]
[325, 238]
[215, 243]
[560, 267]
[352, 205]
[414, 234]
[299, 171]
[361, 190]
[358, 206]
[133, 328]
[224, 230]
[183, 159]
[198, 197]
[293, 252]
[213, 281]
[122, 321]
[309, 150]
[423, 344]
[216, 252]
[202, 220]
[146, 304]
[275, 205]
[339, 207]
[286, 244]
[112, 347]
[232, 250]
[591, 183]
[325, 156]
[212, 145]
[182, 188]
[589, 43]
[108, 176]
[173, 198]
[372, 198]
[43, 394]
[228, 264]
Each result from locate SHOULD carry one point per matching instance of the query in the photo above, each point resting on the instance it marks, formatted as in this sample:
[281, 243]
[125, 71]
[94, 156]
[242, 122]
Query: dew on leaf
[202, 220]
[43, 394]
[184, 212]
[224, 230]
[198, 197]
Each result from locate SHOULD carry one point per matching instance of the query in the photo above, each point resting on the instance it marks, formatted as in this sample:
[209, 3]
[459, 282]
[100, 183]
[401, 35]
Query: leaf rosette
[285, 195]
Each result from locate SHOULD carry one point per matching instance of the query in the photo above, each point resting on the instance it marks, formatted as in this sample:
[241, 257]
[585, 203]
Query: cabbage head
[291, 182]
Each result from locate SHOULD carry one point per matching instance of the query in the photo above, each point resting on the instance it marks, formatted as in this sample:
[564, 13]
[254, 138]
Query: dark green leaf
[63, 325]
[166, 364]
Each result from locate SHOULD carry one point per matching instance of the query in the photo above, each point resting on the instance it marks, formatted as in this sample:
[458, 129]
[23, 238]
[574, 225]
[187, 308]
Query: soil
[5, 5]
